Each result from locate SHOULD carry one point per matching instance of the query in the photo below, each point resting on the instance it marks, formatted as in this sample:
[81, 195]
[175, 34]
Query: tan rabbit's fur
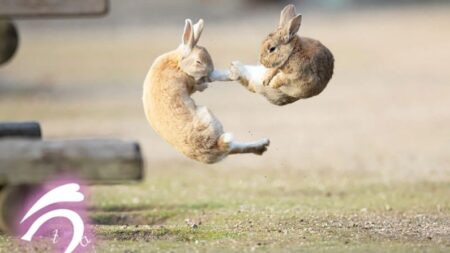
[193, 130]
[292, 68]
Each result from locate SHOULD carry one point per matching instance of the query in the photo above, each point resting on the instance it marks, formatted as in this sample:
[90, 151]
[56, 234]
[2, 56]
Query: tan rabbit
[292, 67]
[191, 129]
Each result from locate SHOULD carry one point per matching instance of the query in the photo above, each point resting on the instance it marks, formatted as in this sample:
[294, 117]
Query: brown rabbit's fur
[296, 67]
[170, 111]
[193, 130]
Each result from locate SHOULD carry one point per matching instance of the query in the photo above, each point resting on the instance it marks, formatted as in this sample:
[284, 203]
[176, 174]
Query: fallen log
[23, 129]
[25, 161]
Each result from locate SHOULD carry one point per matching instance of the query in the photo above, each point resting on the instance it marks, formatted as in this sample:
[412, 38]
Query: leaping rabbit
[193, 130]
[292, 67]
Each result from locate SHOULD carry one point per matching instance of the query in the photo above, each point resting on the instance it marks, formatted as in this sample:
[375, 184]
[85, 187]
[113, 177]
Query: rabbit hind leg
[252, 76]
[256, 147]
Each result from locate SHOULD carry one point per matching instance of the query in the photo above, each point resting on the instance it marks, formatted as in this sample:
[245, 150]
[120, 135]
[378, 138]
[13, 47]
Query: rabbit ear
[291, 28]
[188, 41]
[287, 14]
[198, 29]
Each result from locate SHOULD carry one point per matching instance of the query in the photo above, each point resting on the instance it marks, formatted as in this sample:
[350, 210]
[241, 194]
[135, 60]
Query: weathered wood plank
[20, 129]
[95, 161]
[36, 8]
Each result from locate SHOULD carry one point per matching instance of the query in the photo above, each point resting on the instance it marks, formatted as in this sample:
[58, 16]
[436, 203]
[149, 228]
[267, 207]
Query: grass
[269, 211]
[215, 210]
[288, 212]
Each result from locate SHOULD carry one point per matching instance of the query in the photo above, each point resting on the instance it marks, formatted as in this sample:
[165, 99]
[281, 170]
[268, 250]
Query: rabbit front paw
[276, 85]
[269, 76]
[200, 87]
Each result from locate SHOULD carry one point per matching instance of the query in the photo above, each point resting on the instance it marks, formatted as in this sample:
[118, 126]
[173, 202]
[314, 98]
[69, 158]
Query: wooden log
[20, 129]
[94, 161]
[9, 40]
[45, 8]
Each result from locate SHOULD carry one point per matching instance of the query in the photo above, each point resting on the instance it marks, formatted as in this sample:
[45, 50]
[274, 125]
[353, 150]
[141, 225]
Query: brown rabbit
[193, 130]
[292, 67]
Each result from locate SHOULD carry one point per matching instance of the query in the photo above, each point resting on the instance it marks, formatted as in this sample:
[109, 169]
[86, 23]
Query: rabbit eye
[198, 62]
[272, 49]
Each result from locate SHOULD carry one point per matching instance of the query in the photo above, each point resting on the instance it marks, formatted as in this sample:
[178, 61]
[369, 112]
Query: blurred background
[386, 110]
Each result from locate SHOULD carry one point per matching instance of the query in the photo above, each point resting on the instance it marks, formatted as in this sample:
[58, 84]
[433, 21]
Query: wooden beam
[21, 130]
[94, 161]
[43, 8]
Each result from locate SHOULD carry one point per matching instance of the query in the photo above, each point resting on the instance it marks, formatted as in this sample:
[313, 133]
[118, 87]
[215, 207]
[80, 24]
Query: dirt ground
[364, 167]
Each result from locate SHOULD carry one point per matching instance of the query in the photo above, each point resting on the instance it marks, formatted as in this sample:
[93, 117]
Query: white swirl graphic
[64, 193]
